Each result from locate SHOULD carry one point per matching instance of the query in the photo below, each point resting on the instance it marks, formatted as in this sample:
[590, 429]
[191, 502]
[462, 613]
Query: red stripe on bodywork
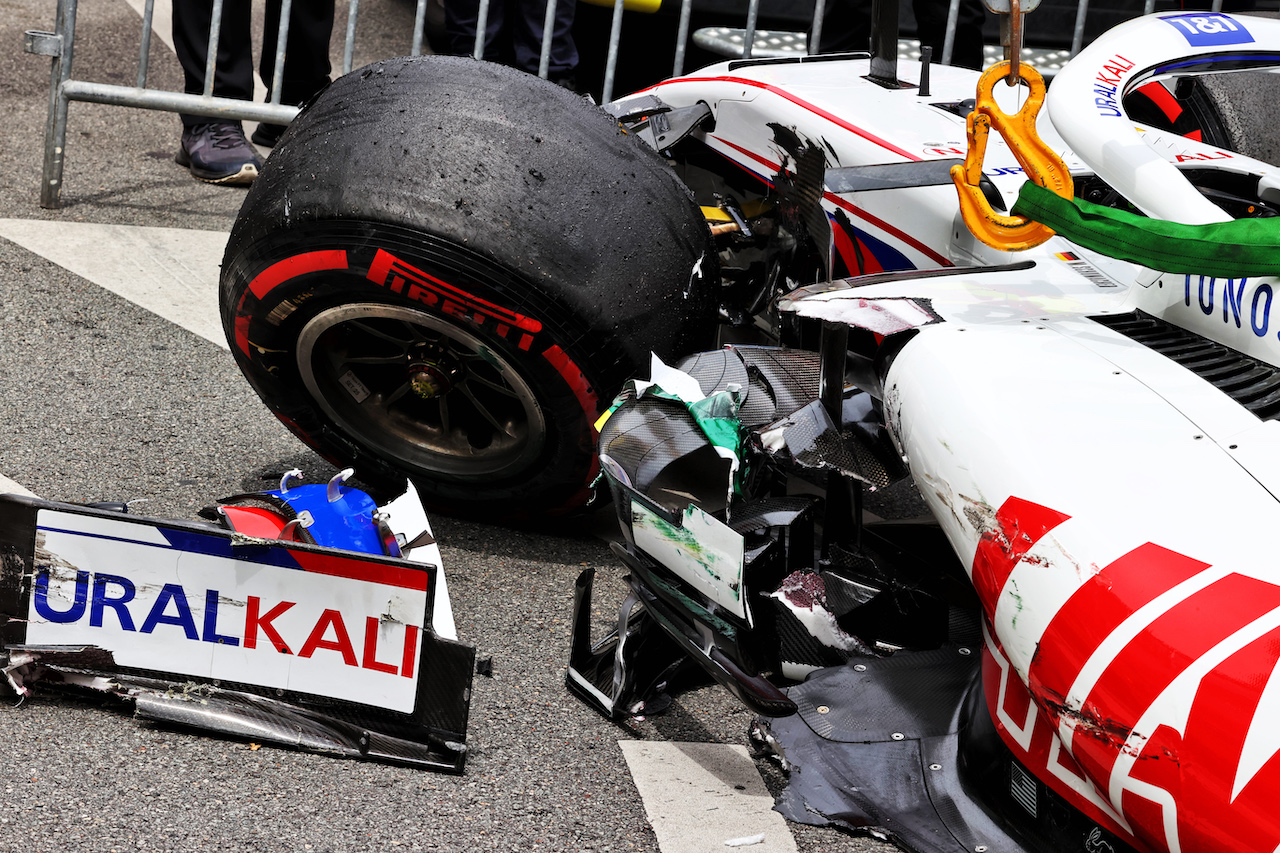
[848, 206]
[1225, 713]
[850, 253]
[885, 226]
[1097, 609]
[1150, 662]
[282, 271]
[1019, 525]
[1163, 100]
[763, 161]
[343, 567]
[1052, 767]
[785, 95]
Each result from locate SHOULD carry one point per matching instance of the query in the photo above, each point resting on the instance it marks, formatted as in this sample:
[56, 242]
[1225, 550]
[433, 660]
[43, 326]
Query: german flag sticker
[1067, 256]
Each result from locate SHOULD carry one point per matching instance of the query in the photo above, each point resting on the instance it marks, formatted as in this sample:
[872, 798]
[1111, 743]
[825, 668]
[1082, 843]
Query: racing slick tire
[448, 268]
[1239, 112]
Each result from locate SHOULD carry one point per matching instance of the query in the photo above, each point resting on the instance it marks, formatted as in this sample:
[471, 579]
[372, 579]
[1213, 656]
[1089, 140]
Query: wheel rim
[420, 391]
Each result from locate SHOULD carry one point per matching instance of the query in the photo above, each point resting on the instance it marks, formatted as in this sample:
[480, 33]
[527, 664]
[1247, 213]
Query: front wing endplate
[318, 648]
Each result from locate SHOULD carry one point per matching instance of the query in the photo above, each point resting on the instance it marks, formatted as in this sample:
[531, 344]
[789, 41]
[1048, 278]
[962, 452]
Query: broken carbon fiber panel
[903, 747]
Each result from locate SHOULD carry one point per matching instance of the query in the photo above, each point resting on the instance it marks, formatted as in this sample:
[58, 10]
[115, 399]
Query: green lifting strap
[1242, 247]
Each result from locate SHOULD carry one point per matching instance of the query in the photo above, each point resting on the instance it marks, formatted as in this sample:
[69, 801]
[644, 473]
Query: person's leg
[215, 150]
[306, 68]
[460, 18]
[527, 28]
[233, 77]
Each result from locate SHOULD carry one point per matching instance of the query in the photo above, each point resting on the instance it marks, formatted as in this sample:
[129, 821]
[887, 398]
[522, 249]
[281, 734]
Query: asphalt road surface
[105, 400]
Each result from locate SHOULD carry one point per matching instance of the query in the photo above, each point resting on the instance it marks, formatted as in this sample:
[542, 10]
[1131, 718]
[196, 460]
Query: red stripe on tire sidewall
[278, 273]
[281, 271]
[590, 402]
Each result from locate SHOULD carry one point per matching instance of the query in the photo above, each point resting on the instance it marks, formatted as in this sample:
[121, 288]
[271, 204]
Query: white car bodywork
[1114, 507]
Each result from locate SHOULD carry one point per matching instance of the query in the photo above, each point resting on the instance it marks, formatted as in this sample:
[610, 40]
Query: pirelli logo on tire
[412, 283]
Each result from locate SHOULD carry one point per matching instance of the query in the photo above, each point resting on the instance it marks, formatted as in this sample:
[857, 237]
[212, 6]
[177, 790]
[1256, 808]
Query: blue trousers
[514, 33]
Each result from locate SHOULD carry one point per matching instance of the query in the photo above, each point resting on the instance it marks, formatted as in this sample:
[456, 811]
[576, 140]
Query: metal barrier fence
[60, 45]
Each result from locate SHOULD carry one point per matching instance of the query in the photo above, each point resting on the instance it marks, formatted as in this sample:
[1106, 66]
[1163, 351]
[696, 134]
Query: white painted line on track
[9, 487]
[700, 795]
[172, 272]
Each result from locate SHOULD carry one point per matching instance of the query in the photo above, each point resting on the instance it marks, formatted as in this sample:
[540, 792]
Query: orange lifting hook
[1039, 162]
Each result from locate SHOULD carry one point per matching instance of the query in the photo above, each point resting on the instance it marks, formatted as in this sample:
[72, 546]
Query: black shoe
[217, 152]
[267, 135]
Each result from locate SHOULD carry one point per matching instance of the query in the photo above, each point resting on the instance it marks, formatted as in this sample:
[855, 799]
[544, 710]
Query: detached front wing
[322, 649]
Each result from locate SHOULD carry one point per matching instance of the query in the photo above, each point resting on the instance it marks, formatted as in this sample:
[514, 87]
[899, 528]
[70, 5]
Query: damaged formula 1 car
[1079, 647]
[305, 616]
[448, 269]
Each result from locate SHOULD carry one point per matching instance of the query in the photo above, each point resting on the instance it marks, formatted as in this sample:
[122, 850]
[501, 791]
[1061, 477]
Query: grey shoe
[218, 152]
